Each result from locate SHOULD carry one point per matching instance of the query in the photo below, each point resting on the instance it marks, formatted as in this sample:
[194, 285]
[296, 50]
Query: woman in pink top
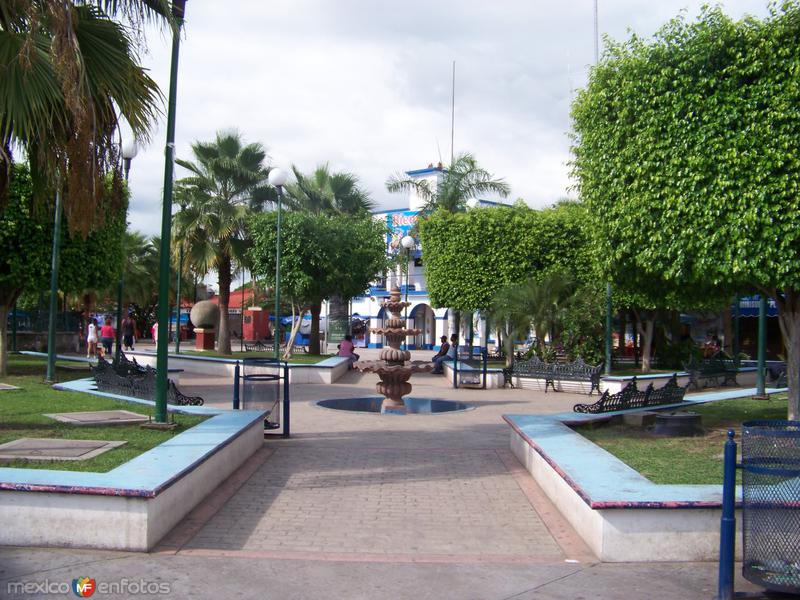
[346, 349]
[107, 335]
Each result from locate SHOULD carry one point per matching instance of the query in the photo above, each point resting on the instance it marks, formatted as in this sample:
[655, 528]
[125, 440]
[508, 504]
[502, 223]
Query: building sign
[400, 224]
[748, 306]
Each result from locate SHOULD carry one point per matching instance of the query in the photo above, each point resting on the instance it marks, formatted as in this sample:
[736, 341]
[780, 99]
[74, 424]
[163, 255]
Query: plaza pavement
[370, 506]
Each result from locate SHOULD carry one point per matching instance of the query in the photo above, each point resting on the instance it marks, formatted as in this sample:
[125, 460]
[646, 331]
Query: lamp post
[178, 290]
[277, 178]
[178, 8]
[55, 259]
[129, 151]
[408, 244]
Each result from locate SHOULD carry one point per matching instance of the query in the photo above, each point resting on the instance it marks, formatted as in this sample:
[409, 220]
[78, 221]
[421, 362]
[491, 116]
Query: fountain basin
[374, 404]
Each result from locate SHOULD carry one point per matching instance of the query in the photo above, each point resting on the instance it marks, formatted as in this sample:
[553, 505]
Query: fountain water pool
[375, 404]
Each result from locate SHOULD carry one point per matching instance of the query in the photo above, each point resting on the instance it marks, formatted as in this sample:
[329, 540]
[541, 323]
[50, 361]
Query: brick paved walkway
[441, 488]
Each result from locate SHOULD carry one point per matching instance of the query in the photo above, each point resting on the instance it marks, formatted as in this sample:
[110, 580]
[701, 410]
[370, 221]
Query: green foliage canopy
[686, 152]
[470, 256]
[321, 255]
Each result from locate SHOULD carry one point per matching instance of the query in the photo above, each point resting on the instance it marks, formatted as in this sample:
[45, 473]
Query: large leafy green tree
[69, 73]
[322, 256]
[686, 152]
[324, 192]
[26, 238]
[227, 177]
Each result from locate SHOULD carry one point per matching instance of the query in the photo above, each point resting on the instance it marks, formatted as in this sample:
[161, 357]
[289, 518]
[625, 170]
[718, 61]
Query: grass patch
[686, 460]
[22, 415]
[300, 358]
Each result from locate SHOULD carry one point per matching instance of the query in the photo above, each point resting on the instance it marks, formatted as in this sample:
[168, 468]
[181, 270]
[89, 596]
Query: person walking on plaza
[127, 333]
[107, 335]
[440, 356]
[91, 338]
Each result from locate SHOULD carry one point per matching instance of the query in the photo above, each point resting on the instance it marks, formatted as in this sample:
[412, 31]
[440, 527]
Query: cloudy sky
[365, 85]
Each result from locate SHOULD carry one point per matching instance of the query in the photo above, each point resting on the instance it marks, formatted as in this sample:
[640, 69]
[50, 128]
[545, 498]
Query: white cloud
[365, 85]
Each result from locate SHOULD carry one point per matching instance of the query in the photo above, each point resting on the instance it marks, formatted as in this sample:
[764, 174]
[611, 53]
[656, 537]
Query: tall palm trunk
[224, 269]
[3, 340]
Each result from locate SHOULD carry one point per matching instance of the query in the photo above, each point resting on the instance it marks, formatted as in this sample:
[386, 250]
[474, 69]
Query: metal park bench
[631, 397]
[267, 346]
[536, 368]
[128, 378]
[711, 370]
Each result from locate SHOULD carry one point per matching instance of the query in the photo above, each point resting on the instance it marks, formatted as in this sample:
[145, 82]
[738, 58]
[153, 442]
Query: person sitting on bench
[346, 349]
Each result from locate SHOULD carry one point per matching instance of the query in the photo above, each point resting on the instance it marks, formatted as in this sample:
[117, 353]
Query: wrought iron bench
[711, 370]
[536, 368]
[631, 397]
[128, 378]
[258, 346]
[267, 346]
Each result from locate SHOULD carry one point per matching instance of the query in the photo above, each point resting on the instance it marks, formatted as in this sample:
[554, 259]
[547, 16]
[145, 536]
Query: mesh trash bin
[262, 387]
[771, 504]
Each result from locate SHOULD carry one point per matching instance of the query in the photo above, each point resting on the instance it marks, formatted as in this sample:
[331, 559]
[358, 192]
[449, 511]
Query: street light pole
[277, 178]
[178, 291]
[51, 329]
[408, 244]
[178, 8]
[129, 151]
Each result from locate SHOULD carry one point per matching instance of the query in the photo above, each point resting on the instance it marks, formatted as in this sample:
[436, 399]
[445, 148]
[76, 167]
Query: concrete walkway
[371, 506]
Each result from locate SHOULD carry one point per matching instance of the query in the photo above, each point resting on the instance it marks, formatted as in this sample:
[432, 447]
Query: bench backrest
[631, 397]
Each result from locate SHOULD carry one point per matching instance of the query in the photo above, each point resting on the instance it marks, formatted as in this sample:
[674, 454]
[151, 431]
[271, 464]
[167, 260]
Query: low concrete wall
[494, 377]
[133, 506]
[621, 515]
[326, 371]
[746, 378]
[629, 534]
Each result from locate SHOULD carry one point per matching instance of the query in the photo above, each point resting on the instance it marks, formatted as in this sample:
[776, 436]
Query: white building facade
[433, 322]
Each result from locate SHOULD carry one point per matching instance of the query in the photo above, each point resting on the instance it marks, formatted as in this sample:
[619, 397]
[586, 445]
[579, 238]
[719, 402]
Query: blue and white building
[433, 322]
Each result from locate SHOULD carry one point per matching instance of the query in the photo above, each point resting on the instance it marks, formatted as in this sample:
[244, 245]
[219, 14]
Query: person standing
[127, 333]
[91, 338]
[107, 335]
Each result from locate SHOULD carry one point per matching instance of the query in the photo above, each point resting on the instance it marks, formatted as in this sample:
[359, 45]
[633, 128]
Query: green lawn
[683, 460]
[299, 358]
[21, 415]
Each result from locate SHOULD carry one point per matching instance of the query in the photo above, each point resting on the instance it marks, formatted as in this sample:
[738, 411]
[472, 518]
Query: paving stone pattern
[55, 449]
[380, 501]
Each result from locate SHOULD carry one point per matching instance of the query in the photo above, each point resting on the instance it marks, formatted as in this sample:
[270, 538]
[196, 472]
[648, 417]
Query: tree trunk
[3, 340]
[727, 329]
[789, 320]
[313, 342]
[224, 271]
[646, 328]
[296, 323]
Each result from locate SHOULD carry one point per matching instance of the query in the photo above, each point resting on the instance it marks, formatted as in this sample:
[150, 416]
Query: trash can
[771, 504]
[262, 387]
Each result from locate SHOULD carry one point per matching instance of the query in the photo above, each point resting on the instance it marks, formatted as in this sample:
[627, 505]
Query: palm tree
[69, 74]
[227, 178]
[535, 303]
[462, 181]
[324, 192]
[333, 193]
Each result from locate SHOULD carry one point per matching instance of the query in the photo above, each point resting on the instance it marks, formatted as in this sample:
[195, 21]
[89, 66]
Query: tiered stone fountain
[392, 368]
